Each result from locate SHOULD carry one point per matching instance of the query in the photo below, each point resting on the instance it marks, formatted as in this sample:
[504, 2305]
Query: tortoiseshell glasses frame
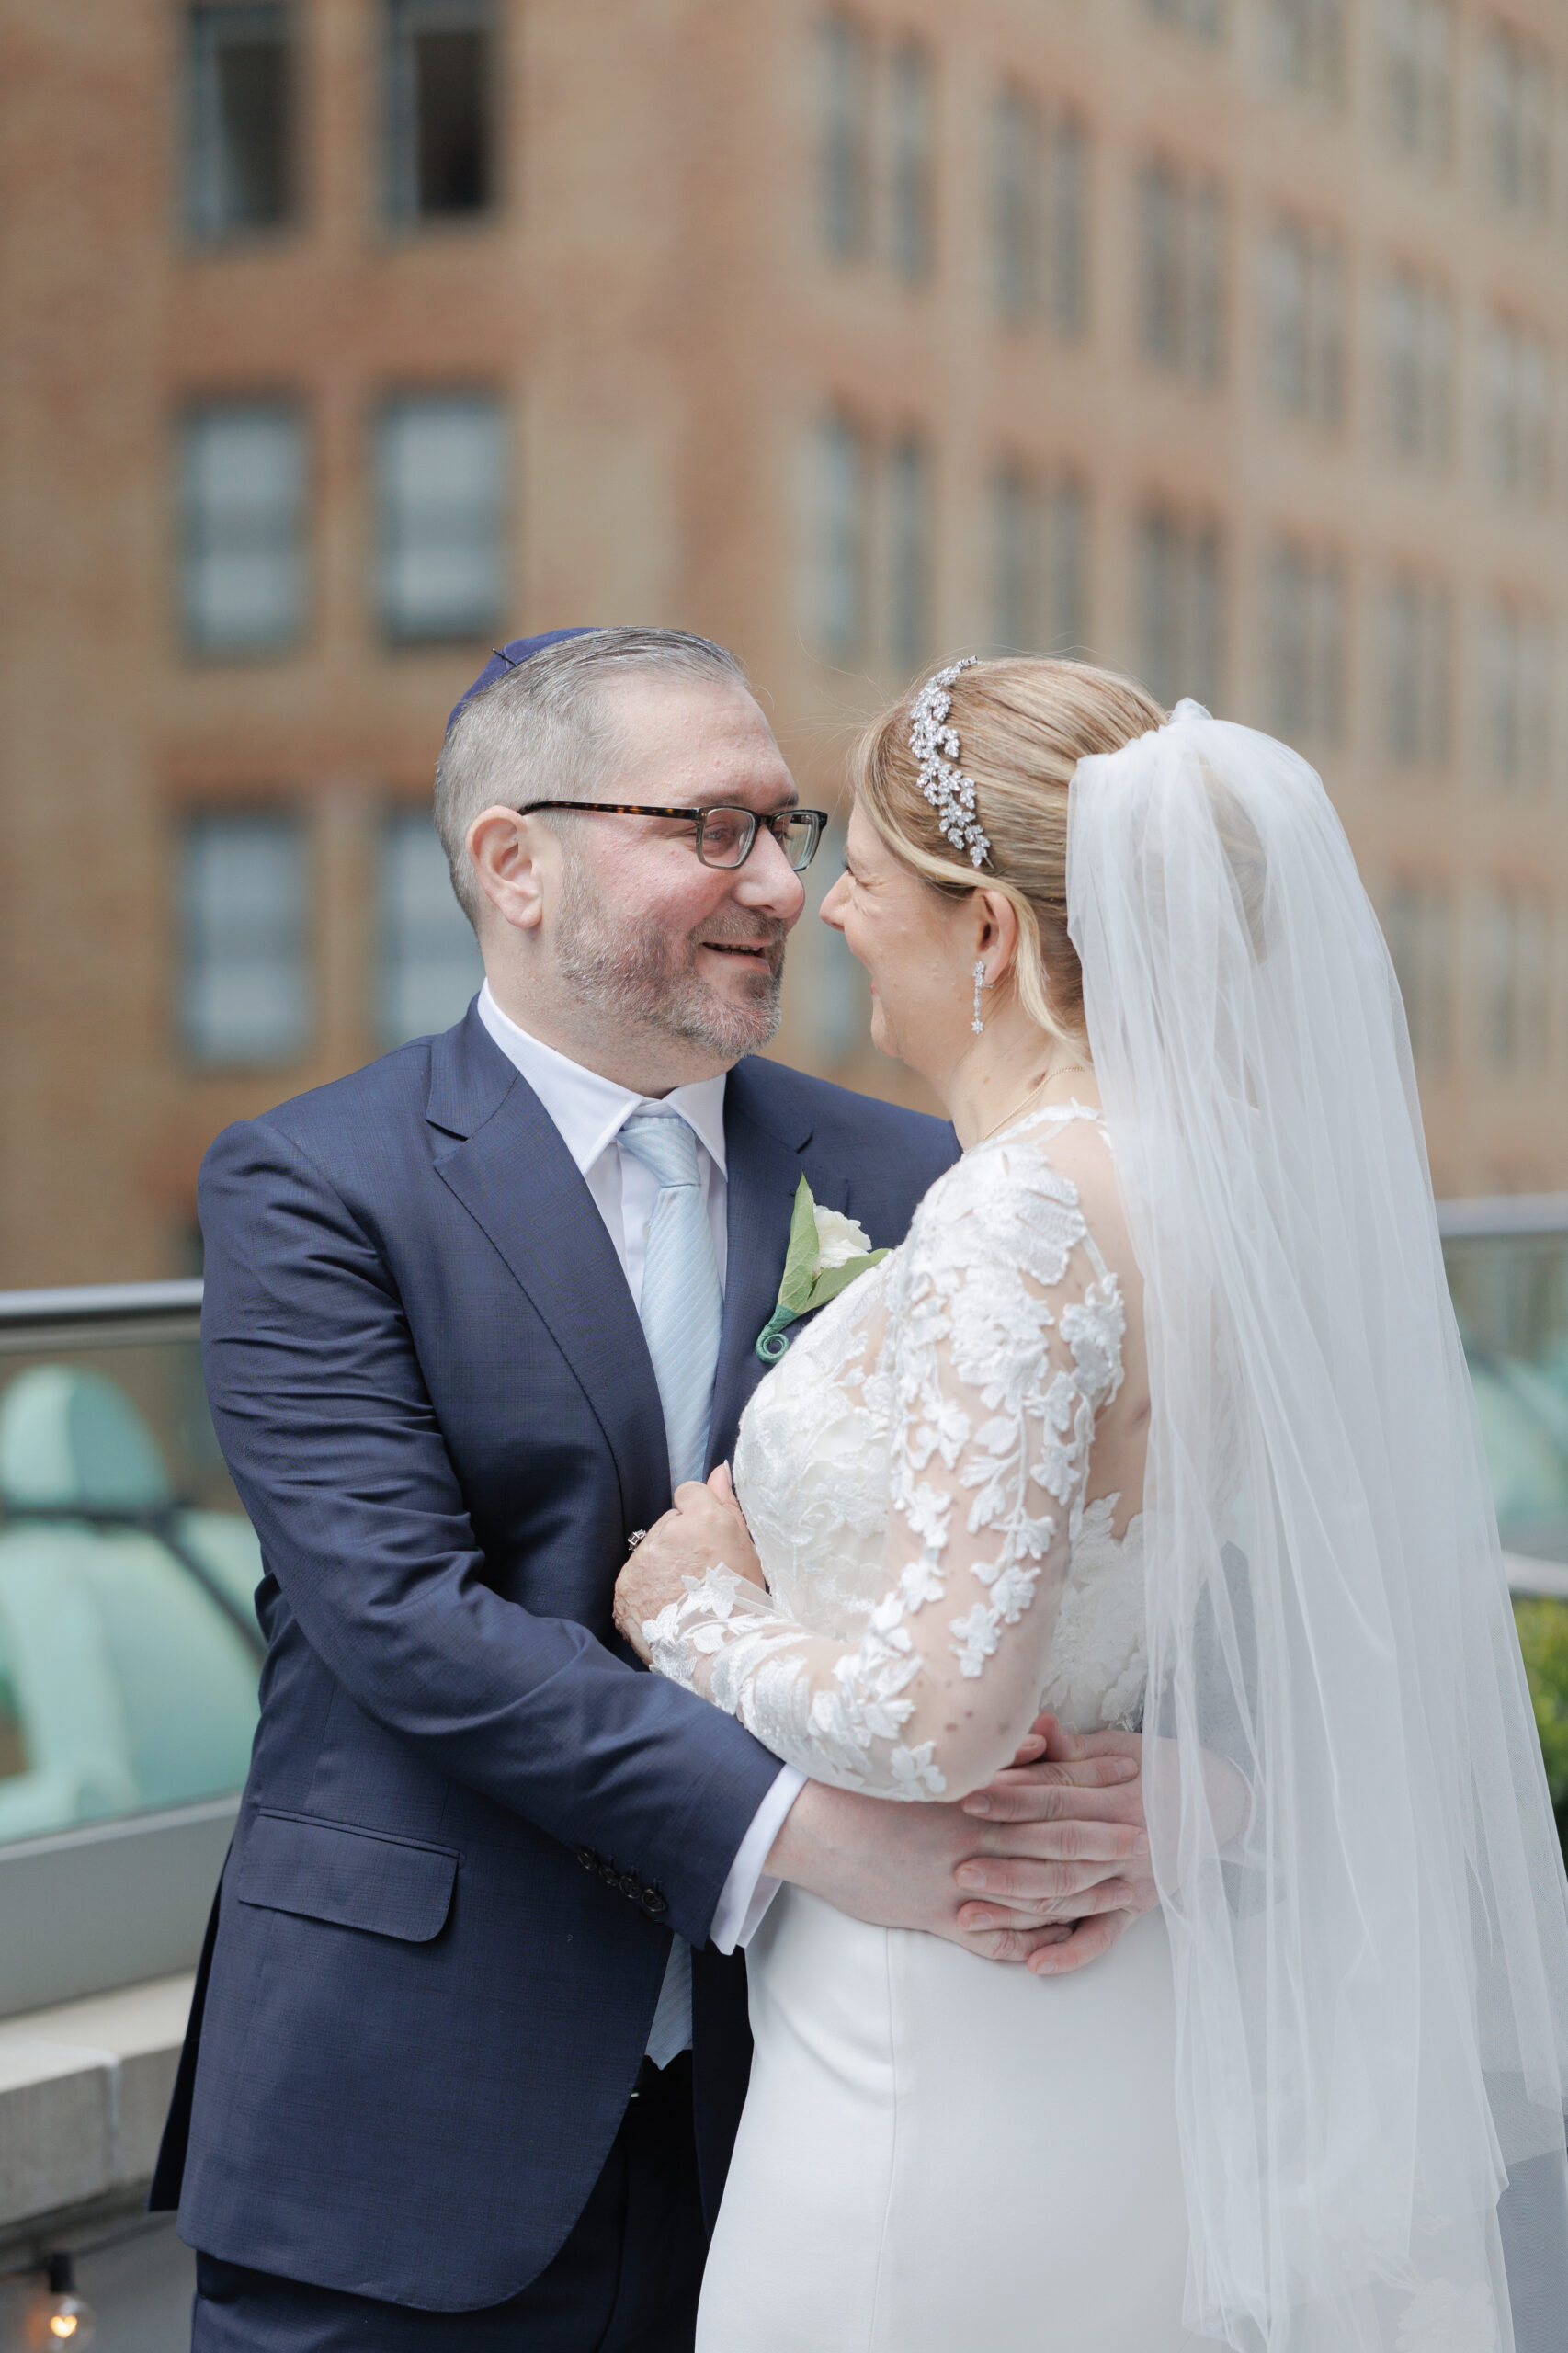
[725, 835]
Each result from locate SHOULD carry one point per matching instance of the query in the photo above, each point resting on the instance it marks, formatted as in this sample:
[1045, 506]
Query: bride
[1158, 1417]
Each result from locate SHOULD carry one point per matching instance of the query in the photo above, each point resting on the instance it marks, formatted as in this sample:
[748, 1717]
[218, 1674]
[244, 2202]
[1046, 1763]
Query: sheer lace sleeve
[1003, 1343]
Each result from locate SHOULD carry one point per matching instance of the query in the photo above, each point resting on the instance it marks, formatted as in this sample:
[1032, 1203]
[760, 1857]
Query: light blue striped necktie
[681, 1305]
[680, 1309]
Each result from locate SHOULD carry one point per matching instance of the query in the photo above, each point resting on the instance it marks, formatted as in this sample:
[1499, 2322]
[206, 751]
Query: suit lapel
[514, 1175]
[767, 1155]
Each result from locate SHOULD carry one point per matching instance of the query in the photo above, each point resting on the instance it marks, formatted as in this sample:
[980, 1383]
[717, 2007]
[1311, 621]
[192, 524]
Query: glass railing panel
[1510, 1292]
[128, 1648]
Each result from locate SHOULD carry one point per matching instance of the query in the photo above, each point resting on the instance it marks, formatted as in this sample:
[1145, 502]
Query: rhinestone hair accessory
[943, 783]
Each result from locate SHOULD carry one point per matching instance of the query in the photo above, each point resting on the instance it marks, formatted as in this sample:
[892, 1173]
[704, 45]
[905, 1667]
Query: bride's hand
[705, 1528]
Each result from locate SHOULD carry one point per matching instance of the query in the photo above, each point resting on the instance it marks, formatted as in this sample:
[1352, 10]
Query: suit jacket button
[609, 1875]
[631, 1885]
[653, 1904]
[587, 1858]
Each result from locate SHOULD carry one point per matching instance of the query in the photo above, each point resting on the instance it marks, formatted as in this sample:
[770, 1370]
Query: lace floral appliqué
[913, 1474]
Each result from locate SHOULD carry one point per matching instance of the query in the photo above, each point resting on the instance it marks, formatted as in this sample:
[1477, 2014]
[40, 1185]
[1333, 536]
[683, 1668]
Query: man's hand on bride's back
[1058, 1840]
[1062, 1839]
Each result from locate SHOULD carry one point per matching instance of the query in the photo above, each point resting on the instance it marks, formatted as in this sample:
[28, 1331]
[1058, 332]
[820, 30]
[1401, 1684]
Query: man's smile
[766, 953]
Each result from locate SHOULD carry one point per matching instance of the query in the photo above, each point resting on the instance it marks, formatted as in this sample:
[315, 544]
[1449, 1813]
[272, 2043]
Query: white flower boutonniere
[827, 1251]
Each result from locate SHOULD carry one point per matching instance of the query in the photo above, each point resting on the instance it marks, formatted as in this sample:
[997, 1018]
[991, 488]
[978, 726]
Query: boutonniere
[826, 1252]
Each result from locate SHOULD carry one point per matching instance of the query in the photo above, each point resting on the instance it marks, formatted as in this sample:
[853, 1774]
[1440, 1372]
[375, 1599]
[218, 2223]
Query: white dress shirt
[588, 1112]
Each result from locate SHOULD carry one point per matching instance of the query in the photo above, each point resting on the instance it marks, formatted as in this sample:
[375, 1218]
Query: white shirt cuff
[748, 1894]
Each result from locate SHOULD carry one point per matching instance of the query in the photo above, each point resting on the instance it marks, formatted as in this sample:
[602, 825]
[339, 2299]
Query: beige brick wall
[651, 300]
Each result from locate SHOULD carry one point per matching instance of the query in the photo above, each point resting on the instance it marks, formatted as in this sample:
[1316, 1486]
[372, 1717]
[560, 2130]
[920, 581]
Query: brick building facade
[342, 337]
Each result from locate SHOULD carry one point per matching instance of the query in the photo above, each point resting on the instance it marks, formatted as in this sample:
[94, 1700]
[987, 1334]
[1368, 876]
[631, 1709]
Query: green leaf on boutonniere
[816, 1267]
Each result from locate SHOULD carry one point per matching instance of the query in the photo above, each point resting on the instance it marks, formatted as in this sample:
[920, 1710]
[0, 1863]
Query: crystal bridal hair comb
[943, 783]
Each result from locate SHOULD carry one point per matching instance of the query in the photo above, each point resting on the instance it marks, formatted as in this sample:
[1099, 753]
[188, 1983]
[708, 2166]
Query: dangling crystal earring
[977, 1025]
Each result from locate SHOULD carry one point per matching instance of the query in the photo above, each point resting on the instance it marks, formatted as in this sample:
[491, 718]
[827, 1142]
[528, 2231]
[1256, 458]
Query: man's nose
[767, 882]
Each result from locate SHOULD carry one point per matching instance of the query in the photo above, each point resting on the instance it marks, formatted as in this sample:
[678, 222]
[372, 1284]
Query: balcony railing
[1508, 1266]
[128, 1648]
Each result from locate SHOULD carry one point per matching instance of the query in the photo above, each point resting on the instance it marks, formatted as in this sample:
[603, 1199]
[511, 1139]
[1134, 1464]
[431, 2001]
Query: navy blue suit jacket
[471, 1820]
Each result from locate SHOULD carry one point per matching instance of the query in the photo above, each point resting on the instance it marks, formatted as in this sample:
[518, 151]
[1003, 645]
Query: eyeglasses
[724, 835]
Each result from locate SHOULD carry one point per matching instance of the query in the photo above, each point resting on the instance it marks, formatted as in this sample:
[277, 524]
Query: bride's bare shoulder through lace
[916, 1474]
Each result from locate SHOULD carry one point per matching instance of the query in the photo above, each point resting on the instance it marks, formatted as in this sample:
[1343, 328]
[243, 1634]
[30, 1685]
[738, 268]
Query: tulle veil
[1373, 1978]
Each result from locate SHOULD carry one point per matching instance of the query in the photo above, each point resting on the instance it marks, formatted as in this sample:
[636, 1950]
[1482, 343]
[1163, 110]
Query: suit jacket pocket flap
[354, 1878]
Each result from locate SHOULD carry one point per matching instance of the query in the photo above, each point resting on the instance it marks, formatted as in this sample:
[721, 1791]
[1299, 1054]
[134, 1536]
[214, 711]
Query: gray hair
[542, 732]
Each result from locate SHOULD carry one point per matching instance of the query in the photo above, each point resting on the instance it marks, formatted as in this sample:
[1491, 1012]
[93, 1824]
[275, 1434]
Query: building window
[1305, 311]
[1517, 411]
[428, 961]
[1417, 926]
[1418, 45]
[1065, 569]
[1204, 18]
[440, 162]
[1306, 646]
[1516, 699]
[441, 480]
[239, 120]
[911, 175]
[1180, 594]
[1067, 232]
[1016, 226]
[909, 553]
[1182, 273]
[244, 968]
[1417, 648]
[825, 993]
[844, 157]
[1014, 562]
[1039, 563]
[836, 501]
[242, 527]
[1417, 339]
[1040, 219]
[1512, 973]
[1306, 46]
[1516, 121]
[1419, 931]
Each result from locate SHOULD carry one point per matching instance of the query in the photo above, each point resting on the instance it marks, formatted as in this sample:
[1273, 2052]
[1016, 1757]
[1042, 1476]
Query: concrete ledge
[84, 2089]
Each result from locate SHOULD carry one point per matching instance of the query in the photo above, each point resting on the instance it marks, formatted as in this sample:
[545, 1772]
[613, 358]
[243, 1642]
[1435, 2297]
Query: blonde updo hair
[1023, 726]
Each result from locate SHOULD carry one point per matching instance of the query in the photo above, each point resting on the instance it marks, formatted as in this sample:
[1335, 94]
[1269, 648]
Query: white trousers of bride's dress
[940, 2154]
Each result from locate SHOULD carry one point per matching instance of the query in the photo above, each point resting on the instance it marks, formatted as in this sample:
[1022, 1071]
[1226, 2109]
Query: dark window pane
[1015, 203]
[1013, 522]
[441, 483]
[454, 167]
[244, 977]
[239, 128]
[910, 133]
[909, 554]
[836, 499]
[439, 147]
[428, 965]
[242, 527]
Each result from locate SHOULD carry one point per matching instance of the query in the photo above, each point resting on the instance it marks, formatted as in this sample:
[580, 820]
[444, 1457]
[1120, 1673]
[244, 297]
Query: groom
[466, 2056]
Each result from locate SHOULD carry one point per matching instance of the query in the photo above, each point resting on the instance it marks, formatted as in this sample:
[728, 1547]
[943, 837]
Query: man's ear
[508, 854]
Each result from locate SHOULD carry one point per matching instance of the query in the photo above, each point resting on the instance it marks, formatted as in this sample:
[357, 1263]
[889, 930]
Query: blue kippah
[509, 656]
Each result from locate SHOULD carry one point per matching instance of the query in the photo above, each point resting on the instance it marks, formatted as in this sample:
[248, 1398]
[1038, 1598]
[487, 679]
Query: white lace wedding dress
[942, 1477]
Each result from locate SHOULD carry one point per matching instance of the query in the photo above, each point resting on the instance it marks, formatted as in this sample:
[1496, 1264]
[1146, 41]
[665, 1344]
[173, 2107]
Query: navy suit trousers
[626, 2280]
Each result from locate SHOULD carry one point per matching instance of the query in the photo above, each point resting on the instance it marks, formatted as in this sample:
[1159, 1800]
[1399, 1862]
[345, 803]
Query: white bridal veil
[1372, 1978]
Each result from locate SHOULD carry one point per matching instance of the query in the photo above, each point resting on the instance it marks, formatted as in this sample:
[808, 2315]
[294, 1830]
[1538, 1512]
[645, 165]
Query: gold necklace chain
[1062, 1070]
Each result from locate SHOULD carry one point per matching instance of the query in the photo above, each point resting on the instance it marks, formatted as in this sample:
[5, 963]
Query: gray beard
[640, 976]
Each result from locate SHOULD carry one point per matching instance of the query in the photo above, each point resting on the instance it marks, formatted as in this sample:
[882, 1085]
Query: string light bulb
[57, 2316]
